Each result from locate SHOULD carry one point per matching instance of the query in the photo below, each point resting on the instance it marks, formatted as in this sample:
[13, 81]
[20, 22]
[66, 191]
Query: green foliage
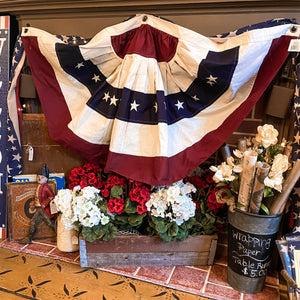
[136, 219]
[267, 155]
[268, 192]
[121, 220]
[209, 223]
[173, 230]
[106, 232]
[130, 206]
[170, 231]
[116, 191]
[88, 234]
[182, 234]
[110, 233]
[264, 209]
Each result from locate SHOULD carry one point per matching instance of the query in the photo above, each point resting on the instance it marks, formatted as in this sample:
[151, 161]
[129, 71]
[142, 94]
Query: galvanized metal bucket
[251, 240]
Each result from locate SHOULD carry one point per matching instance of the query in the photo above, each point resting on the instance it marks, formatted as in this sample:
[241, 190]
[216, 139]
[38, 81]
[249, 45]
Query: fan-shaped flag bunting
[150, 99]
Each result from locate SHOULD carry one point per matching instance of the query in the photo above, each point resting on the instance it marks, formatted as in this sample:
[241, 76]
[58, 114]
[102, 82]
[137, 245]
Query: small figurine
[43, 197]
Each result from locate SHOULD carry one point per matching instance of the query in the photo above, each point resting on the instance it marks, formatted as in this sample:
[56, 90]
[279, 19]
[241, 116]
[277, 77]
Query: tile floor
[208, 281]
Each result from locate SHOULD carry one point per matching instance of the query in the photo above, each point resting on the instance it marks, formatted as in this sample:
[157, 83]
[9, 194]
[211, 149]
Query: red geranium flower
[116, 205]
[140, 193]
[83, 183]
[212, 201]
[80, 171]
[92, 181]
[98, 184]
[105, 193]
[209, 177]
[141, 208]
[91, 175]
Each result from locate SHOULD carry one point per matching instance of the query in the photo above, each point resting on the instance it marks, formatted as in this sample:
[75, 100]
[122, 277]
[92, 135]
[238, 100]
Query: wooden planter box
[139, 250]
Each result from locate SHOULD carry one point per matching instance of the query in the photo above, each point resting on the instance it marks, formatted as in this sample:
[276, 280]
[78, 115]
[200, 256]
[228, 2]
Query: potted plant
[105, 206]
[255, 188]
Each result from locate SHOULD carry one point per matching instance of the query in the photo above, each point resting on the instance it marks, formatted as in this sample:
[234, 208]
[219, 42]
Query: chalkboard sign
[249, 254]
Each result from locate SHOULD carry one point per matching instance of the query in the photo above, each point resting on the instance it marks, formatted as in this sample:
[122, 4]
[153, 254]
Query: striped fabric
[149, 99]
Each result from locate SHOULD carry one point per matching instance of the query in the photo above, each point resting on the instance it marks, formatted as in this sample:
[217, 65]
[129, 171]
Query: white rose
[237, 168]
[237, 153]
[213, 168]
[267, 135]
[274, 182]
[224, 173]
[280, 164]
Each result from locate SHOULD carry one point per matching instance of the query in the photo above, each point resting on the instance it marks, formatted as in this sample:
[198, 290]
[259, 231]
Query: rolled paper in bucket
[280, 202]
[242, 145]
[249, 163]
[258, 188]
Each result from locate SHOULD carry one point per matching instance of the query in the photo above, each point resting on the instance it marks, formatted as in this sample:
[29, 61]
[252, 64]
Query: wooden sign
[19, 210]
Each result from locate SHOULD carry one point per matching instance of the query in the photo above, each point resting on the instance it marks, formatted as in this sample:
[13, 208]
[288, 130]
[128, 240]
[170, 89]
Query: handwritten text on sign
[249, 254]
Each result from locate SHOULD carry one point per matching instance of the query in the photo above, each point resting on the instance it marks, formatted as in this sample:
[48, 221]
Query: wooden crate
[139, 250]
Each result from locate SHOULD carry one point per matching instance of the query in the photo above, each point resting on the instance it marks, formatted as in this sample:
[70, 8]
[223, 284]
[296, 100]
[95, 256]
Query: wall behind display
[35, 134]
[86, 18]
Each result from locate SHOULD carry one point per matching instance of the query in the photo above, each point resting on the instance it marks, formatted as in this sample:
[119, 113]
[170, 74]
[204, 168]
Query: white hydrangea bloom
[173, 202]
[63, 200]
[173, 191]
[80, 205]
[89, 192]
[76, 188]
[104, 219]
[188, 188]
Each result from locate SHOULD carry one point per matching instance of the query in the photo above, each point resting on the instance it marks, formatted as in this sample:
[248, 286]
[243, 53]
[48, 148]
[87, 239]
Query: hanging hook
[293, 29]
[26, 29]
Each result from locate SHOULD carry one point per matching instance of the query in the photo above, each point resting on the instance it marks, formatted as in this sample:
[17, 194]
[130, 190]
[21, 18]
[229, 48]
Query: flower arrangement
[255, 174]
[210, 214]
[84, 208]
[99, 205]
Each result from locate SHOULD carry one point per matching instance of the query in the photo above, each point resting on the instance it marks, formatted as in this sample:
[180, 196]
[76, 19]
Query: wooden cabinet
[58, 159]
